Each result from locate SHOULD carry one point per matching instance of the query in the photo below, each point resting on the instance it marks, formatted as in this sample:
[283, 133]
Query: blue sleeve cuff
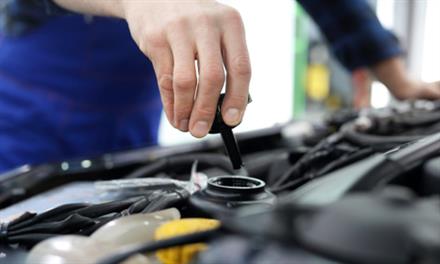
[353, 31]
[366, 48]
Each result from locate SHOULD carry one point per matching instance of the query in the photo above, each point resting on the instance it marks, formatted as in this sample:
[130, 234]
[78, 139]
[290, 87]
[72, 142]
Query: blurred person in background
[358, 40]
[73, 82]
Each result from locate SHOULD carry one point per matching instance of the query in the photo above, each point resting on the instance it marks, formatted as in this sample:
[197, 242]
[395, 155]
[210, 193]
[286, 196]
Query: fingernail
[183, 125]
[232, 116]
[200, 129]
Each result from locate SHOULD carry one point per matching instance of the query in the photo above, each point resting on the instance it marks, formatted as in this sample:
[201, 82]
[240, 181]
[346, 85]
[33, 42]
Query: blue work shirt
[353, 32]
[74, 87]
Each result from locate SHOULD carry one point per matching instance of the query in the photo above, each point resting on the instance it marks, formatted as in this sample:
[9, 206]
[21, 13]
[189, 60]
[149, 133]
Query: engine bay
[355, 187]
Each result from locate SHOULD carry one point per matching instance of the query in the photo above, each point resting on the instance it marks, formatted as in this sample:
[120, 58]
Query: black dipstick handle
[232, 148]
[228, 137]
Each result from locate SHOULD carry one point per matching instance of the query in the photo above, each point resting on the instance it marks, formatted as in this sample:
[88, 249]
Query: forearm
[393, 74]
[94, 7]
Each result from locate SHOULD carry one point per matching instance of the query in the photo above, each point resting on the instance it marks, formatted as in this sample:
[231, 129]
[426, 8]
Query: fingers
[211, 80]
[436, 88]
[430, 91]
[415, 89]
[238, 68]
[163, 66]
[184, 77]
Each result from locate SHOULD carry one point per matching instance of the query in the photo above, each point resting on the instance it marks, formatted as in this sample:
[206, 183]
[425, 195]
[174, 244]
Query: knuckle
[177, 23]
[166, 83]
[203, 19]
[214, 76]
[183, 111]
[237, 100]
[155, 40]
[184, 82]
[168, 106]
[232, 15]
[205, 111]
[241, 66]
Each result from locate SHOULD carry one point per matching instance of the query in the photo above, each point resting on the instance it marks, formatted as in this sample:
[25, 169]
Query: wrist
[118, 8]
[122, 8]
[393, 75]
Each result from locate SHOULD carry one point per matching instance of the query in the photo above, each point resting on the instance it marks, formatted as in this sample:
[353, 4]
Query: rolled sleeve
[353, 31]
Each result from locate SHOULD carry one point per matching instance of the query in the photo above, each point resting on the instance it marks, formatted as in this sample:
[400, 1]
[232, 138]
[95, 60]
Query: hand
[419, 90]
[176, 34]
[393, 74]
